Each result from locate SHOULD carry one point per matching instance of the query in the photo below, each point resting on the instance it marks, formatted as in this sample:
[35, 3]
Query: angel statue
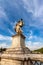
[18, 26]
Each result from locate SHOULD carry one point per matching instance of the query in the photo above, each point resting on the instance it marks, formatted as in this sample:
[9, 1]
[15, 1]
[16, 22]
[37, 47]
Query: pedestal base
[18, 50]
[17, 53]
[15, 56]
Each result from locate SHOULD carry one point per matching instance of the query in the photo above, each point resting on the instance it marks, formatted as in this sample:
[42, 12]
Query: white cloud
[6, 43]
[5, 37]
[33, 45]
[10, 32]
[34, 7]
[34, 42]
[3, 45]
[34, 37]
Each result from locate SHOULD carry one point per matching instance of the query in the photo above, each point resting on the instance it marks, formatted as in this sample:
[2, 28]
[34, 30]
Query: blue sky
[31, 11]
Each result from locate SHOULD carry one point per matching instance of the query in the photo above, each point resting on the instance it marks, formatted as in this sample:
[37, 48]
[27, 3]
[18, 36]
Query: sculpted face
[21, 23]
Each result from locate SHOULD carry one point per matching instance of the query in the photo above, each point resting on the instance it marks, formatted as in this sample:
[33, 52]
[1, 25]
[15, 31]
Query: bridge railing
[36, 62]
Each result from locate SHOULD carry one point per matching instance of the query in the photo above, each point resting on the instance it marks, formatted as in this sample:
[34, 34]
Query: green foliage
[39, 50]
[2, 49]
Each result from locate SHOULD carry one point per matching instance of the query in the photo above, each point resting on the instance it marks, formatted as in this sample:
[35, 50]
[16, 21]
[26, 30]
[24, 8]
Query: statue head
[21, 23]
[18, 26]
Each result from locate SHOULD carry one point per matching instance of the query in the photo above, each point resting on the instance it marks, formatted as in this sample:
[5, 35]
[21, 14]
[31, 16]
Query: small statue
[18, 26]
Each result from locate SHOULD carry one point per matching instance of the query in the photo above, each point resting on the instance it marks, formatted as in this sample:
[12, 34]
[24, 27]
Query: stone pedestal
[16, 54]
[18, 40]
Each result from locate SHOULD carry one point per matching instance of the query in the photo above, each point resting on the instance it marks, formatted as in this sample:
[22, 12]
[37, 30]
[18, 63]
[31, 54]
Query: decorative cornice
[19, 35]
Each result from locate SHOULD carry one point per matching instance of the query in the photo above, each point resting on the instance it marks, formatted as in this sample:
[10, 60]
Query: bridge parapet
[38, 57]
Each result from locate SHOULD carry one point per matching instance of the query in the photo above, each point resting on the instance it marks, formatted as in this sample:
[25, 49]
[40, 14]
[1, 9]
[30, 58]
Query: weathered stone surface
[18, 40]
[16, 53]
[10, 62]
